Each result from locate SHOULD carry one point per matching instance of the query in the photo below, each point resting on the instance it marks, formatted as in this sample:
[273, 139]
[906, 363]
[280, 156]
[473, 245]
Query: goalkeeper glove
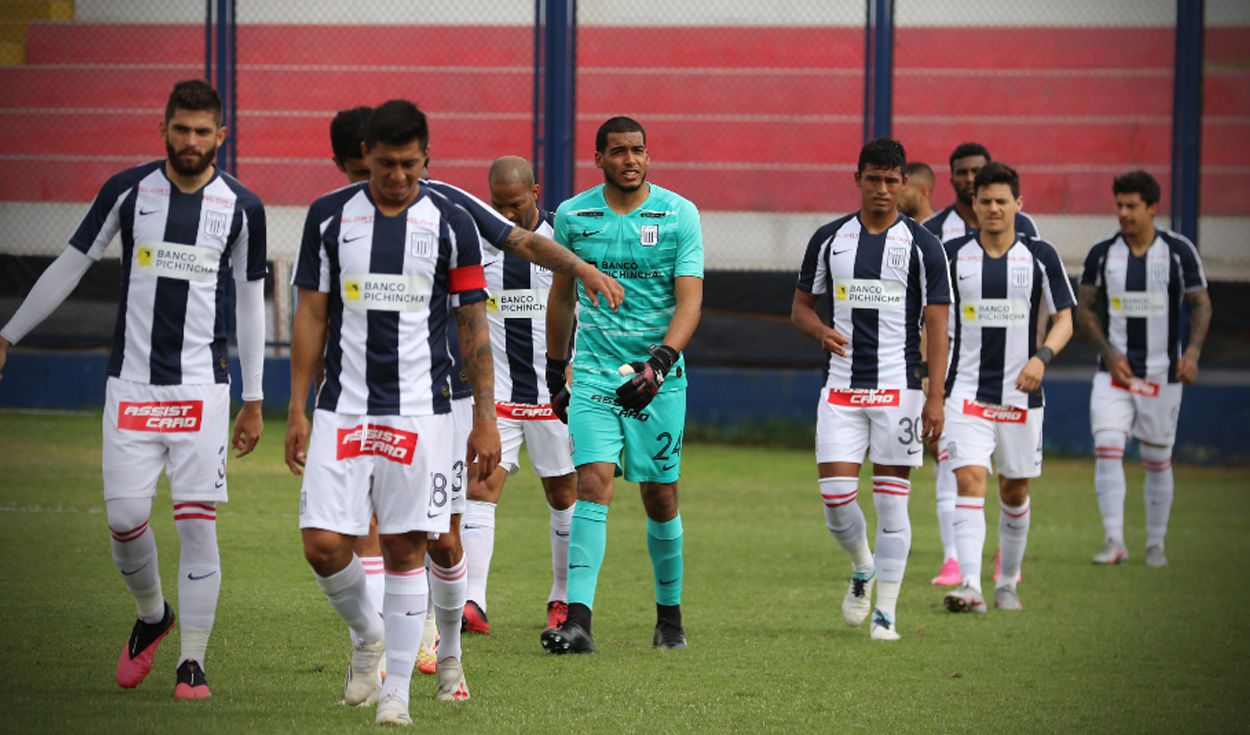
[557, 388]
[647, 377]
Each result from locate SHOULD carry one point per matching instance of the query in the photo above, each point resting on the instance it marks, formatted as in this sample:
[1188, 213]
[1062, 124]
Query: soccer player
[651, 239]
[994, 401]
[960, 218]
[915, 198]
[1130, 304]
[886, 279]
[347, 136]
[957, 220]
[186, 229]
[518, 330]
[378, 266]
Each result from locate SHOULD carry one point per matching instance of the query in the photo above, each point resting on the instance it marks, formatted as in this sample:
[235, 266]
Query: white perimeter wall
[1117, 13]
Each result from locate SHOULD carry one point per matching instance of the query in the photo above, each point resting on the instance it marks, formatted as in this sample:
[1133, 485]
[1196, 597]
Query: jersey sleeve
[937, 273]
[312, 266]
[466, 280]
[559, 224]
[1026, 225]
[248, 252]
[814, 273]
[1192, 276]
[102, 220]
[493, 226]
[689, 242]
[1091, 274]
[1059, 294]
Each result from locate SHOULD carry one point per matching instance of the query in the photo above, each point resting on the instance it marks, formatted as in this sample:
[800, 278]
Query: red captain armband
[466, 278]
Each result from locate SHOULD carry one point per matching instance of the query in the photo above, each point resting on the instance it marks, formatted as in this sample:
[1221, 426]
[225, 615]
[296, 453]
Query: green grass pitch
[1126, 649]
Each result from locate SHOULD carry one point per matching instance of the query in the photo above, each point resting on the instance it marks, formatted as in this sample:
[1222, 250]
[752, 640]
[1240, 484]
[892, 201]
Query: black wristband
[1045, 354]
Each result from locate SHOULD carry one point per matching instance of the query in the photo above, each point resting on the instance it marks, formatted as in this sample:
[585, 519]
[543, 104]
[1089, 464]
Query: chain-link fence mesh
[1224, 229]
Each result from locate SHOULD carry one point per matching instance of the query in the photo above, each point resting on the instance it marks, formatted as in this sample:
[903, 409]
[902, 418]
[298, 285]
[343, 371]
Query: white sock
[404, 607]
[558, 529]
[1013, 537]
[890, 496]
[845, 520]
[947, 490]
[1109, 482]
[134, 552]
[970, 538]
[347, 594]
[447, 593]
[199, 576]
[477, 534]
[1159, 491]
[375, 585]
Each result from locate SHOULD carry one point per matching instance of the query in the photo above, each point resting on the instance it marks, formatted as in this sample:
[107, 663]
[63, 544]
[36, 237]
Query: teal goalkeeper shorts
[646, 443]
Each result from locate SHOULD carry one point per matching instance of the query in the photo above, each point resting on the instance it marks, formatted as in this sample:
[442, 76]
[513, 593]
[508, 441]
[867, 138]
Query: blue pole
[208, 41]
[223, 77]
[878, 69]
[558, 114]
[234, 88]
[1187, 118]
[536, 118]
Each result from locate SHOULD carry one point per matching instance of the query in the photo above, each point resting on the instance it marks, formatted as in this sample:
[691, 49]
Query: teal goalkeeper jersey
[644, 250]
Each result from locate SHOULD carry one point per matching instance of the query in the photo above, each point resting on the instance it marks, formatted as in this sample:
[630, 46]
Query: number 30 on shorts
[912, 430]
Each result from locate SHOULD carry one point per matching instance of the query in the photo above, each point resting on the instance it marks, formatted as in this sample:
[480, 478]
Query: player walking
[1130, 304]
[651, 239]
[886, 279]
[378, 266]
[517, 314]
[994, 401]
[186, 229]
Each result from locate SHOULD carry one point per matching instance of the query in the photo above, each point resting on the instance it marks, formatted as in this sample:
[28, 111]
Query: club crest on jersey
[1159, 272]
[895, 257]
[421, 245]
[649, 235]
[1020, 277]
[215, 223]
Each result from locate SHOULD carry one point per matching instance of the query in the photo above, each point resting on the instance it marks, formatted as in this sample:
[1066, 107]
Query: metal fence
[755, 112]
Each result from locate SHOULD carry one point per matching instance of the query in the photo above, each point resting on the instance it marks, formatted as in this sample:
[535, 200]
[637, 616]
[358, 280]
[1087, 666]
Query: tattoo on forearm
[475, 349]
[543, 251]
[1199, 323]
[1089, 321]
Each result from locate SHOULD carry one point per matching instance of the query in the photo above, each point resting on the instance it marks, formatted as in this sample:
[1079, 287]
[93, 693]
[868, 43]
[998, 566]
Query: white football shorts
[1148, 409]
[462, 421]
[537, 427]
[885, 423]
[980, 433]
[181, 429]
[395, 466]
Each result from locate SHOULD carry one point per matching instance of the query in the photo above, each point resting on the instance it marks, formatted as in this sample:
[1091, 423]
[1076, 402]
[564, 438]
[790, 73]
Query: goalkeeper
[627, 409]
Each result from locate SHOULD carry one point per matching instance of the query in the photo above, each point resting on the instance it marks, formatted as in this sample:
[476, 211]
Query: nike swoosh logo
[958, 523]
[839, 252]
[668, 581]
[964, 278]
[562, 535]
[1012, 525]
[588, 233]
[133, 571]
[150, 211]
[912, 451]
[579, 566]
[219, 484]
[891, 530]
[668, 467]
[468, 526]
[194, 578]
[487, 265]
[428, 514]
[413, 613]
[351, 239]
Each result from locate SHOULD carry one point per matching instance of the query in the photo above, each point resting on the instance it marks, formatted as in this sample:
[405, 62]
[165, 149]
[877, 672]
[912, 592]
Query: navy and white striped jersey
[948, 225]
[178, 250]
[390, 280]
[1139, 298]
[879, 286]
[995, 316]
[493, 228]
[518, 323]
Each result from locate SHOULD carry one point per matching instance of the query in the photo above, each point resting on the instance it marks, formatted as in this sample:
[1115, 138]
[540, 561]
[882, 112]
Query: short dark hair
[919, 167]
[885, 153]
[617, 125]
[1138, 182]
[964, 150]
[195, 95]
[997, 173]
[347, 132]
[397, 122]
